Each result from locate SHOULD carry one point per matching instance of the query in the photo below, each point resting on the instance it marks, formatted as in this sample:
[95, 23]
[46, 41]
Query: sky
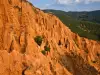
[67, 5]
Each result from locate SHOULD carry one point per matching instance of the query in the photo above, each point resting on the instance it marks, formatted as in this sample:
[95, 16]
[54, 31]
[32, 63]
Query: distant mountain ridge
[87, 15]
[86, 23]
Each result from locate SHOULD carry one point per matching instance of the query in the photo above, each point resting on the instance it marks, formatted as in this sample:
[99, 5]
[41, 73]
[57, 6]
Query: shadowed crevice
[52, 69]
[25, 68]
[11, 47]
[76, 65]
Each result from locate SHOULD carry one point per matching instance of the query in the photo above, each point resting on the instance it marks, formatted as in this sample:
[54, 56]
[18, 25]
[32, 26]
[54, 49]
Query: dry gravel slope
[20, 22]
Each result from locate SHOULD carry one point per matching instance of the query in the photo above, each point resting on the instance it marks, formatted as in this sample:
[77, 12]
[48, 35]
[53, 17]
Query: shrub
[43, 52]
[38, 40]
[47, 48]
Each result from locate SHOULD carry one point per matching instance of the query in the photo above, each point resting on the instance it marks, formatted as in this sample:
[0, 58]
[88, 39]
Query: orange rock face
[20, 23]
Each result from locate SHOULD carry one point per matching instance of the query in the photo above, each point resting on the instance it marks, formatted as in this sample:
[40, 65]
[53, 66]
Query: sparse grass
[18, 8]
[34, 9]
[38, 40]
[76, 43]
[30, 3]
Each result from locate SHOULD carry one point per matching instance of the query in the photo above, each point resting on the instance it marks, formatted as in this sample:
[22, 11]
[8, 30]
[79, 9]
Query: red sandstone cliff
[20, 22]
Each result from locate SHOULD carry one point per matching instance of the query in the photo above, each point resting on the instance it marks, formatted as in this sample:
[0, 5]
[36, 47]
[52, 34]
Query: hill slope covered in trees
[86, 24]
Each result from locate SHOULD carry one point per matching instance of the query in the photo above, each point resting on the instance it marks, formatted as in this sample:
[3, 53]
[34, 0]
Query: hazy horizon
[67, 5]
[72, 10]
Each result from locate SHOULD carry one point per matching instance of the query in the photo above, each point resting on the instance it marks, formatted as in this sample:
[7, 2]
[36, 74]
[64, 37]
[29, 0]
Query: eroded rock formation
[20, 23]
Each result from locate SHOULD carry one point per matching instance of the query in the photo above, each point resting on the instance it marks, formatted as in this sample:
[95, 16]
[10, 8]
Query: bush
[43, 52]
[47, 48]
[38, 40]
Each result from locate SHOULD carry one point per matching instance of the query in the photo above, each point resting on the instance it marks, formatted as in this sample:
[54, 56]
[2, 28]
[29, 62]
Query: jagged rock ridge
[20, 23]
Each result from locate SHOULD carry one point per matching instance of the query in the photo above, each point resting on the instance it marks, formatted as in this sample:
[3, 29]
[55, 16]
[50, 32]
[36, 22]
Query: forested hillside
[86, 24]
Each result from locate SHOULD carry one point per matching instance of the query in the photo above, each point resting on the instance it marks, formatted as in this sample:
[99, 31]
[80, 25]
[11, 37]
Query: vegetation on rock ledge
[38, 40]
